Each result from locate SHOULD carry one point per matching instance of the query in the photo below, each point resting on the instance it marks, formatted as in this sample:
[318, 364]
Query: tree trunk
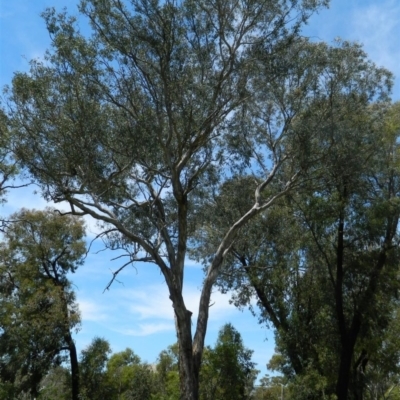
[188, 372]
[346, 352]
[346, 356]
[74, 366]
[73, 356]
[343, 381]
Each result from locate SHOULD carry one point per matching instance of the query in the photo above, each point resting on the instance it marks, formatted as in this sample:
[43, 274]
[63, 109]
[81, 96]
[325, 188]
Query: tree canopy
[8, 164]
[38, 308]
[227, 371]
[145, 123]
[323, 263]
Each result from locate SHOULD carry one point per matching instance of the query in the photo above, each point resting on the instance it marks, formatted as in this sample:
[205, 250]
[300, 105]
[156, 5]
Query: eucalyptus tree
[93, 364]
[38, 309]
[8, 165]
[130, 378]
[167, 374]
[323, 263]
[140, 124]
[56, 384]
[227, 371]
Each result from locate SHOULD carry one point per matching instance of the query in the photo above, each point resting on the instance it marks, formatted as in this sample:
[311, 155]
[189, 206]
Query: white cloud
[91, 311]
[147, 310]
[377, 26]
[147, 329]
[152, 302]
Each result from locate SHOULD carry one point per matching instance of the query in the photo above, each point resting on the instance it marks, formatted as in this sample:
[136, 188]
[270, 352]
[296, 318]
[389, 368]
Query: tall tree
[141, 123]
[38, 309]
[323, 263]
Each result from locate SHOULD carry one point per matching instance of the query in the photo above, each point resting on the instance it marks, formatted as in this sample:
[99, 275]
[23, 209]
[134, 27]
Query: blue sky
[137, 313]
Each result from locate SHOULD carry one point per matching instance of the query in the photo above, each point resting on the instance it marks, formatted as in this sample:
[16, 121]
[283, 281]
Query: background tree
[6, 170]
[323, 262]
[271, 388]
[117, 376]
[139, 124]
[38, 309]
[93, 362]
[129, 377]
[227, 372]
[381, 374]
[56, 384]
[167, 374]
[8, 164]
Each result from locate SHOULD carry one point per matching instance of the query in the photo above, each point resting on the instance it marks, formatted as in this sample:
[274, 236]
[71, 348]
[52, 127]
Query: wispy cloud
[91, 311]
[147, 309]
[147, 329]
[377, 26]
[152, 302]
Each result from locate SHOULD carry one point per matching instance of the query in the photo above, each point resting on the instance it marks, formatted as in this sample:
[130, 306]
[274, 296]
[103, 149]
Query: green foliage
[56, 384]
[167, 375]
[120, 376]
[8, 168]
[129, 377]
[271, 388]
[323, 262]
[7, 390]
[227, 372]
[93, 362]
[176, 124]
[38, 309]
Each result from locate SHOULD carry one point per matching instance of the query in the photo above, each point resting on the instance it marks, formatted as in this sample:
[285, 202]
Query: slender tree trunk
[343, 381]
[74, 366]
[346, 352]
[73, 356]
[346, 357]
[35, 379]
[188, 373]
